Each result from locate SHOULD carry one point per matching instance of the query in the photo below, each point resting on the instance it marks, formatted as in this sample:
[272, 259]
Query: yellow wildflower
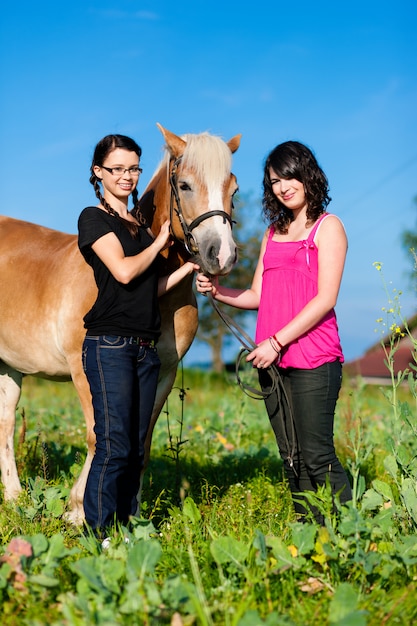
[293, 550]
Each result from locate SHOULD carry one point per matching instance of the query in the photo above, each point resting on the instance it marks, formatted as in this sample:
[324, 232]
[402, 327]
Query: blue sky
[340, 77]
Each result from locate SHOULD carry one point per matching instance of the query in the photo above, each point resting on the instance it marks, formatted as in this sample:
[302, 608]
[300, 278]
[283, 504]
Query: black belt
[143, 343]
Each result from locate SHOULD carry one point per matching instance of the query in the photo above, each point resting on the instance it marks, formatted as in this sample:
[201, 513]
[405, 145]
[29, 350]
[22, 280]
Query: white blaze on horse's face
[214, 237]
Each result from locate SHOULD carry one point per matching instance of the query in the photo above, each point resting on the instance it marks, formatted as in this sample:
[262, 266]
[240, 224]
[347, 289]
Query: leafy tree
[248, 234]
[409, 243]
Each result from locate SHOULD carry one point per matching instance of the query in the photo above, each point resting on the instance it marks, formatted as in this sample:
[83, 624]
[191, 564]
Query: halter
[189, 240]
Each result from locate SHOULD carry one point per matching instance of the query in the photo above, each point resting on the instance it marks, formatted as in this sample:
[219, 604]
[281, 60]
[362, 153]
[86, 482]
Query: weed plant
[217, 542]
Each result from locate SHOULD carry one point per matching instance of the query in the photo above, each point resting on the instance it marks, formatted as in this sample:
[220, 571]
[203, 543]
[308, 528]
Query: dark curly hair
[101, 151]
[292, 159]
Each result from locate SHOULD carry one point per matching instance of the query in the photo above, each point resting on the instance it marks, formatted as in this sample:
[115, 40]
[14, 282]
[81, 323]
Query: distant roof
[372, 363]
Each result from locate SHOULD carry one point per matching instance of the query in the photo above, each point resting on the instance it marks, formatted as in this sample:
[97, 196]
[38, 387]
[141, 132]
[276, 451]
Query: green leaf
[99, 575]
[259, 544]
[39, 543]
[88, 569]
[111, 572]
[361, 486]
[143, 529]
[371, 500]
[55, 507]
[391, 466]
[382, 522]
[229, 550]
[343, 607]
[142, 558]
[191, 511]
[43, 580]
[5, 572]
[282, 554]
[383, 488]
[408, 492]
[176, 591]
[406, 547]
[134, 598]
[304, 538]
[251, 618]
[57, 549]
[403, 455]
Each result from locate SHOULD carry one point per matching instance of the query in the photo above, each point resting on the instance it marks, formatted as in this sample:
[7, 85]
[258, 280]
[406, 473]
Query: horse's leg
[10, 387]
[76, 512]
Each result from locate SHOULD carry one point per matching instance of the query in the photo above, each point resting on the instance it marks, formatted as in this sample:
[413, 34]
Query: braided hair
[102, 149]
[294, 160]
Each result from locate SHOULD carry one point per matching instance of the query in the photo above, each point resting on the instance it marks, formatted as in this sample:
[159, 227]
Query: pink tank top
[289, 282]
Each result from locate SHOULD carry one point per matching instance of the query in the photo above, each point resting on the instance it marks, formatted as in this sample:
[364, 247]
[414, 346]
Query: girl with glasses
[120, 358]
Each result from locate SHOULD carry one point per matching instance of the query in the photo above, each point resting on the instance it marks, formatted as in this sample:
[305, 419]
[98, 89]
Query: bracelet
[278, 342]
[271, 341]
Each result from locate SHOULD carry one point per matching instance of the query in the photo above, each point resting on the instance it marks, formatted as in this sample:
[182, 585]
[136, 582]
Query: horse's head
[202, 187]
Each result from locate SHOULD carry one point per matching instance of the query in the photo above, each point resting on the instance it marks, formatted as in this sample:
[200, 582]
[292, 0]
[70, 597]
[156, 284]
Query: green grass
[217, 543]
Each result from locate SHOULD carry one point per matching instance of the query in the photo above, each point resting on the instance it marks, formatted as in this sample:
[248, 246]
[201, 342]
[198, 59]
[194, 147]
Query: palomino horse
[46, 287]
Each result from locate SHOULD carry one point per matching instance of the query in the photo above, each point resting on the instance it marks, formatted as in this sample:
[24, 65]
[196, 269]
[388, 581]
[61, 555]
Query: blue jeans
[302, 419]
[123, 378]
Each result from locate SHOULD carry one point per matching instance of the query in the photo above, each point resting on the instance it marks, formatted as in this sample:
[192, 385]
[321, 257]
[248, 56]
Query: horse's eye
[185, 187]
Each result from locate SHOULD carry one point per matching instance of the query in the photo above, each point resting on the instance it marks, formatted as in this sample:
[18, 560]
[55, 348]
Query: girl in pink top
[293, 266]
[295, 289]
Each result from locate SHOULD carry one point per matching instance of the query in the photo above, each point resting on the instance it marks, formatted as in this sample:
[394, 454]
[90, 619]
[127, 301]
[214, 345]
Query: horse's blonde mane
[208, 155]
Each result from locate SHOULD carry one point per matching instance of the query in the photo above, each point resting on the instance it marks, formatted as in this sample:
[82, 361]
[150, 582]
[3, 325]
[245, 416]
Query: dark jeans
[123, 378]
[302, 419]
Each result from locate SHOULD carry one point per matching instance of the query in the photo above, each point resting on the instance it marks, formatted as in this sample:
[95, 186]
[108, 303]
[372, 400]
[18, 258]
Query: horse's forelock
[209, 156]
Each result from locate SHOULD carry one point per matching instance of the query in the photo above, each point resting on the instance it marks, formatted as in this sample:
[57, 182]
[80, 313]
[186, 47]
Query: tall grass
[217, 542]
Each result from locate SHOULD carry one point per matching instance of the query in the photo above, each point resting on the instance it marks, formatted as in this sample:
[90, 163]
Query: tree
[248, 234]
[409, 243]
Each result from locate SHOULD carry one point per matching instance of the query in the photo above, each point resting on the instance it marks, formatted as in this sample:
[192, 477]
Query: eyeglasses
[119, 171]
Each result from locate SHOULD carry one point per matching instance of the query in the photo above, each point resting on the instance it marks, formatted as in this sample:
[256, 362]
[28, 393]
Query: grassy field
[217, 542]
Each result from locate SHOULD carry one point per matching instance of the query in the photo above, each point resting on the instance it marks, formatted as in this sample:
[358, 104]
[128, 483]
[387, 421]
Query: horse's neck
[154, 202]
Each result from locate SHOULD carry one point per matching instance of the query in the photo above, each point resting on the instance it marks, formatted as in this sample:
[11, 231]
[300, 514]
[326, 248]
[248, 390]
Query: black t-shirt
[126, 310]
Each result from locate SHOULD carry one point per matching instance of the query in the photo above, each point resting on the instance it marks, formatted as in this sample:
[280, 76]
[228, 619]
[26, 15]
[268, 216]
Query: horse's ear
[175, 144]
[234, 143]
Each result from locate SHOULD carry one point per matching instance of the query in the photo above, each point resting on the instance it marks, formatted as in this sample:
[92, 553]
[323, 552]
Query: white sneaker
[105, 543]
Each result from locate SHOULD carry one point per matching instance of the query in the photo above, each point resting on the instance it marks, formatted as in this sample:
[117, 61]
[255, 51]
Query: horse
[46, 288]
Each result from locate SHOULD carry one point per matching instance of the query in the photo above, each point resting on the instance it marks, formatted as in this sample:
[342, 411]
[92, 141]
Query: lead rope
[247, 346]
[258, 394]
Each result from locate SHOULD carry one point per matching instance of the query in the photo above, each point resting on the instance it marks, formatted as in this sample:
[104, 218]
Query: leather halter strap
[175, 207]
